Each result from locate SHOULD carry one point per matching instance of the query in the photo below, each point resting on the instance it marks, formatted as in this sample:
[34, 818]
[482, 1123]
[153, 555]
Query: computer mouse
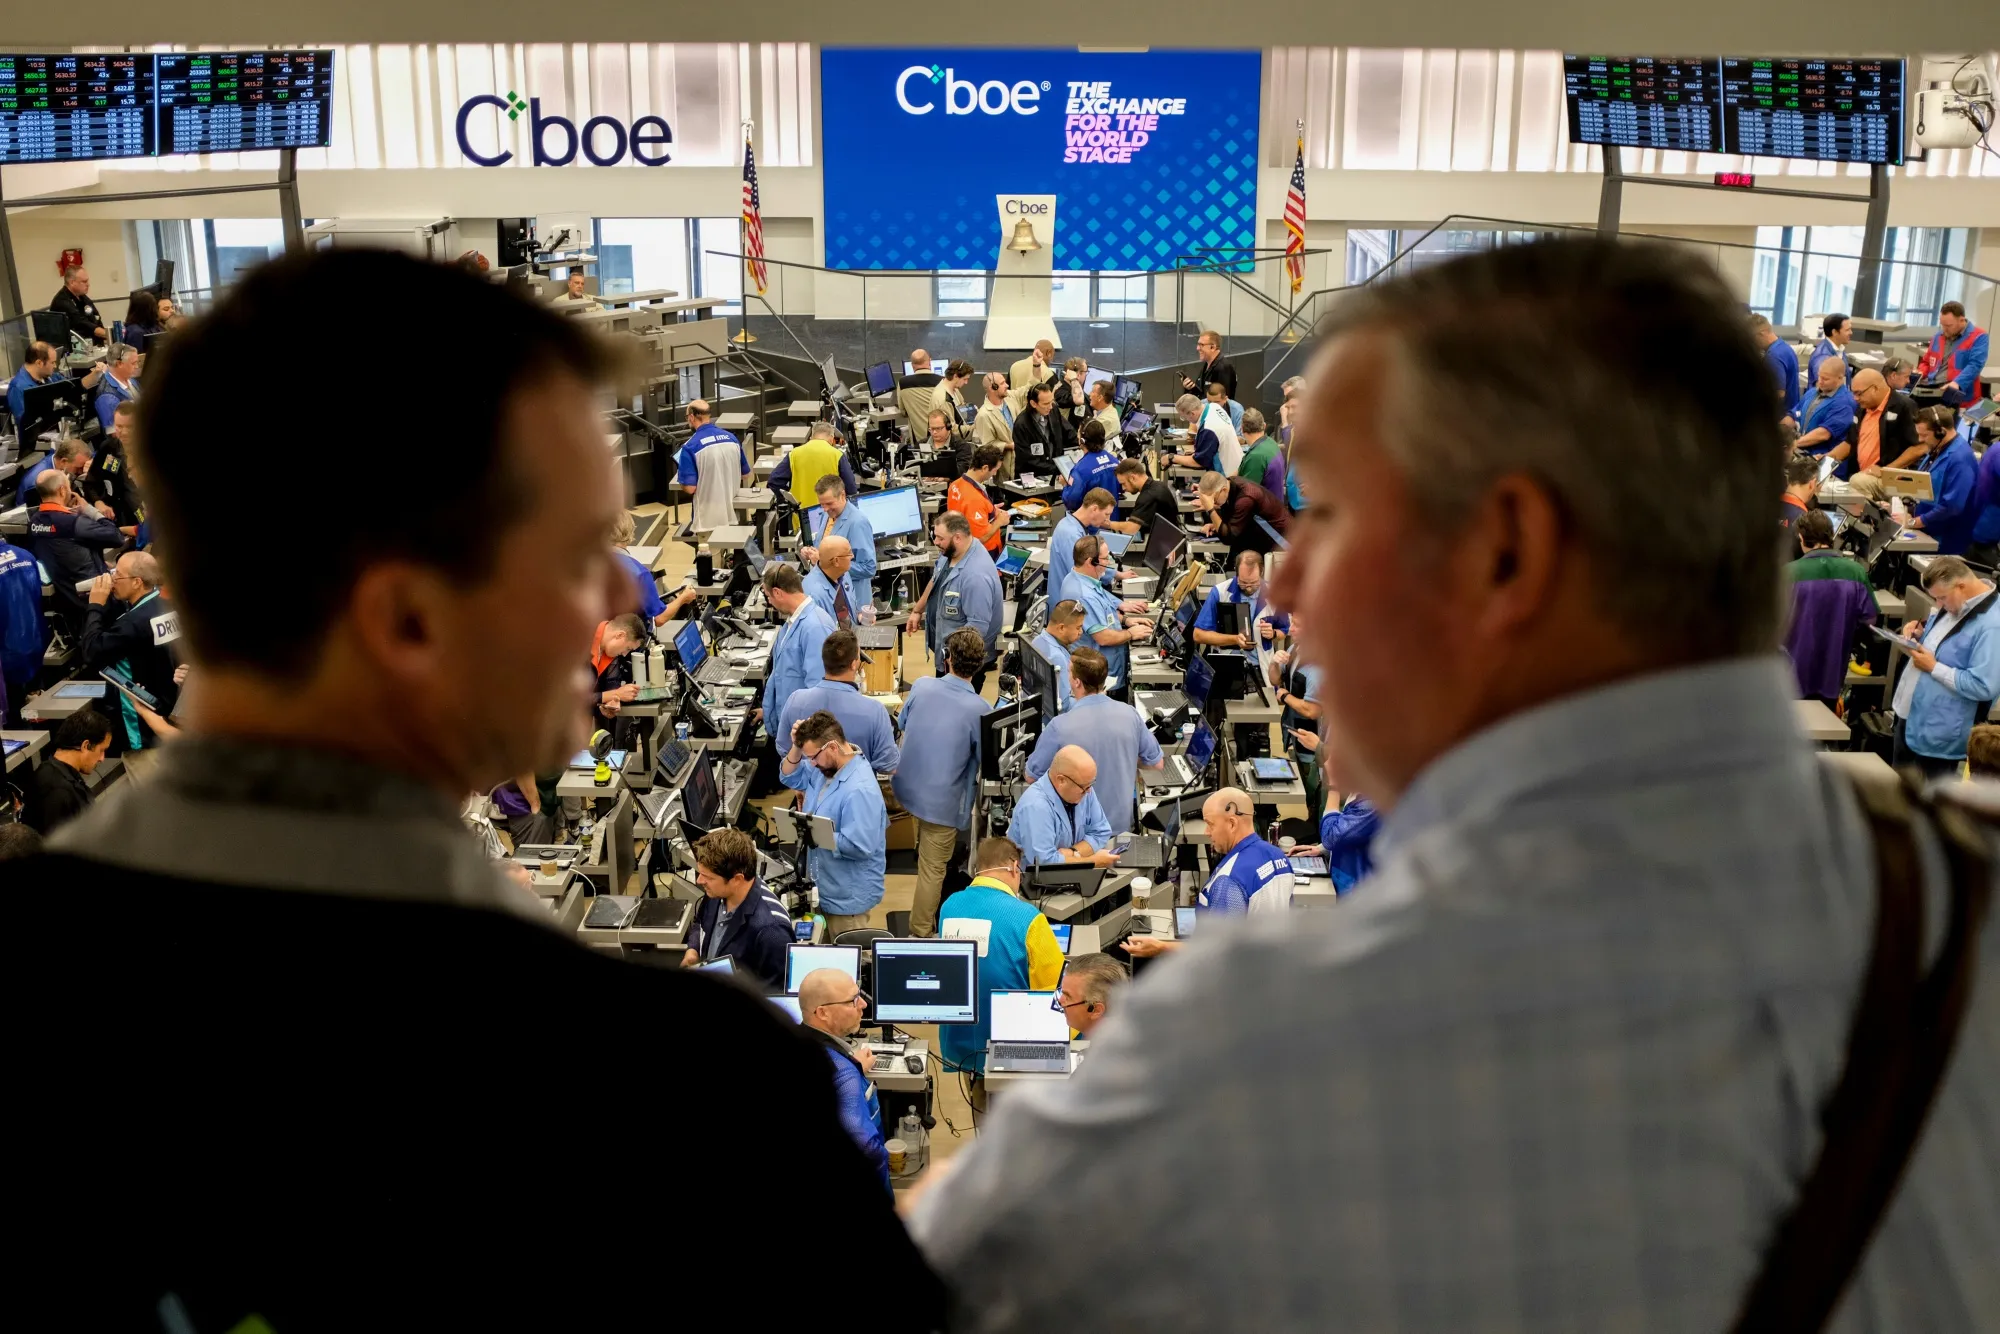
[915, 1064]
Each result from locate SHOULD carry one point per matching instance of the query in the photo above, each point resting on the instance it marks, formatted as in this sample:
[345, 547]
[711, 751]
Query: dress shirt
[940, 775]
[865, 720]
[1559, 1067]
[795, 662]
[1100, 612]
[849, 874]
[860, 534]
[837, 598]
[1043, 825]
[1116, 736]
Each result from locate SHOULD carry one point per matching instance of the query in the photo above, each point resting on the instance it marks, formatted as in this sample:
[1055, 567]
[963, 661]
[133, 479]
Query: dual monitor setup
[1124, 389]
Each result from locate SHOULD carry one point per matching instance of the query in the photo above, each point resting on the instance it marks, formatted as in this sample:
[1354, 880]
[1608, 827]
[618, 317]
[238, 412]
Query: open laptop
[1012, 560]
[1030, 1035]
[1188, 765]
[1140, 852]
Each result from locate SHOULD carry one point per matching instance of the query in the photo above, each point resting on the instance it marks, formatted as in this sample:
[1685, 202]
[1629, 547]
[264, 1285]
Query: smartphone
[1183, 922]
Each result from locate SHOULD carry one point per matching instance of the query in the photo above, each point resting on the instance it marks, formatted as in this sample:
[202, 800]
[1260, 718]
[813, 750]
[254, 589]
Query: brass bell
[1023, 238]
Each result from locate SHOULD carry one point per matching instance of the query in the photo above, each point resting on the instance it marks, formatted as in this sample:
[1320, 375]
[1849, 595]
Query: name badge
[954, 606]
[166, 628]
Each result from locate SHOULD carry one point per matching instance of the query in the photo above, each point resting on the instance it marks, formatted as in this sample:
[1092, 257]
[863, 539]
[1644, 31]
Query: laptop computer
[1030, 1035]
[1140, 852]
[663, 914]
[1012, 561]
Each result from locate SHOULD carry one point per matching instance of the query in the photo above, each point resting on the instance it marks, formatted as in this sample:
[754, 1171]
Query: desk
[1064, 907]
[1862, 764]
[806, 409]
[752, 498]
[47, 708]
[14, 522]
[792, 434]
[733, 537]
[1000, 1078]
[1267, 793]
[1913, 539]
[583, 783]
[893, 1076]
[736, 423]
[37, 742]
[1818, 722]
[1891, 606]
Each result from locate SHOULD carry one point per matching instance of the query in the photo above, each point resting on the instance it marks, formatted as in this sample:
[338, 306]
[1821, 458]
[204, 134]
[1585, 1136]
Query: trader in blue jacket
[795, 654]
[1955, 357]
[1954, 677]
[831, 1005]
[838, 784]
[845, 519]
[1058, 818]
[1097, 470]
[1949, 516]
[1782, 360]
[1825, 413]
[963, 594]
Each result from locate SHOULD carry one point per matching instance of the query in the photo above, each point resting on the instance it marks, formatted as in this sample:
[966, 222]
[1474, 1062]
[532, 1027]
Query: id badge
[954, 605]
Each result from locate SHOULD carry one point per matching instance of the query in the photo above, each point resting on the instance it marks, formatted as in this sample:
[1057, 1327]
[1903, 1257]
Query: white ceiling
[1612, 26]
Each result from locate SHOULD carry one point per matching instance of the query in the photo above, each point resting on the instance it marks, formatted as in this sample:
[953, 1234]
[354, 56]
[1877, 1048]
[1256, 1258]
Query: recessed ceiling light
[954, 324]
[1104, 349]
[1099, 324]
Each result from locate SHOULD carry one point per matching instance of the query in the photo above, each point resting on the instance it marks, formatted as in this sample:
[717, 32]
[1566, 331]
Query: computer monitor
[925, 981]
[1200, 679]
[699, 798]
[1124, 388]
[1092, 375]
[1061, 931]
[1038, 681]
[891, 513]
[722, 964]
[1062, 878]
[51, 328]
[790, 1005]
[881, 379]
[163, 278]
[43, 405]
[152, 342]
[688, 643]
[803, 959]
[1001, 728]
[1137, 423]
[1200, 748]
[1161, 544]
[1027, 1016]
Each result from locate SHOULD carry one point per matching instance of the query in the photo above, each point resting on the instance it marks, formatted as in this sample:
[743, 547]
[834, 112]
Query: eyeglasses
[1061, 1006]
[859, 997]
[1081, 787]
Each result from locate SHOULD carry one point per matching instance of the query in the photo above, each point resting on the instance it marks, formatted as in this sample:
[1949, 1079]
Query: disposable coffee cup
[549, 866]
[1142, 892]
[898, 1153]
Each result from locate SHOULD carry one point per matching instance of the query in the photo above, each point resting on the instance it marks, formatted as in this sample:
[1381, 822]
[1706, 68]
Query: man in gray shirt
[1560, 1068]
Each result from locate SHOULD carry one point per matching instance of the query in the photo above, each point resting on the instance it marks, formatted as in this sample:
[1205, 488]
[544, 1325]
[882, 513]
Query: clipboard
[1907, 645]
[797, 827]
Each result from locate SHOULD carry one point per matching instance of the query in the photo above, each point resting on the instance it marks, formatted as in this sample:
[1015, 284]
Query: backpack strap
[1898, 1046]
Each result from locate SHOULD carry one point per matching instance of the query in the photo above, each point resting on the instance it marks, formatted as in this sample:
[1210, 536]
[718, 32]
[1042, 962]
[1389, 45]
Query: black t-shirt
[343, 1113]
[81, 312]
[55, 794]
[1154, 500]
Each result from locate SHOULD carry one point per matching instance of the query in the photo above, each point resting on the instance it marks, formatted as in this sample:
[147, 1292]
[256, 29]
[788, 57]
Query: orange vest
[967, 498]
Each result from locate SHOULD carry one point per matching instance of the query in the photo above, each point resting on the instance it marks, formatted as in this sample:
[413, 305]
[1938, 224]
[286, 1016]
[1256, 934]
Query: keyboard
[1034, 1051]
[1183, 775]
[714, 672]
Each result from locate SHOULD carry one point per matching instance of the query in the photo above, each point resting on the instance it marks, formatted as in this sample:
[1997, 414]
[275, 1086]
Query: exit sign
[1736, 180]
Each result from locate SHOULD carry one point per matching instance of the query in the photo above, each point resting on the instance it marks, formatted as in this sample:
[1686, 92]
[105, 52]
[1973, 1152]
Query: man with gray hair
[1215, 446]
[1085, 994]
[1949, 682]
[132, 629]
[1564, 1066]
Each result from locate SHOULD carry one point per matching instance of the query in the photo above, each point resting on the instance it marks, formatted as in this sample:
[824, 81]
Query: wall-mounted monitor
[75, 108]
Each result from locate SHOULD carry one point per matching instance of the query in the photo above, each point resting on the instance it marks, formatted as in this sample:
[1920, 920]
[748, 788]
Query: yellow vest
[810, 462]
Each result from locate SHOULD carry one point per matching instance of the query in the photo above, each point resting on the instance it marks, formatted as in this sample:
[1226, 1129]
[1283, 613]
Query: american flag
[1295, 221]
[753, 221]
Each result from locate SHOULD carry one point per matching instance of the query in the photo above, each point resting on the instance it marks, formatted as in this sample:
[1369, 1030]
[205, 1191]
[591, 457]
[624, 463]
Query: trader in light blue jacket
[1948, 684]
[1058, 818]
[796, 660]
[963, 594]
[838, 784]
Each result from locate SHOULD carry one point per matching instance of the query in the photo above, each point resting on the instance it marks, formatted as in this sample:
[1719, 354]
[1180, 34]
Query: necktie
[1007, 415]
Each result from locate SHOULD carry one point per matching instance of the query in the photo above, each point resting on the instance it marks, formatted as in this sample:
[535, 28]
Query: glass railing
[1812, 284]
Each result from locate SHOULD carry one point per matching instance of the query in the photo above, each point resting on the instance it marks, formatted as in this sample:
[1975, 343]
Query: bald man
[1250, 874]
[830, 585]
[1058, 819]
[830, 1008]
[130, 626]
[712, 466]
[1884, 433]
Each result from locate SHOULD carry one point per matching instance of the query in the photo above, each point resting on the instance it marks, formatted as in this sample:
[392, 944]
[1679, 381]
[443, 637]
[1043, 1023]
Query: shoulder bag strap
[1898, 1046]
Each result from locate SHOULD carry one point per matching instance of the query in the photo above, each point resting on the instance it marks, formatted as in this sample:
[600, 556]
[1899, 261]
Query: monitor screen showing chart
[80, 107]
[1824, 109]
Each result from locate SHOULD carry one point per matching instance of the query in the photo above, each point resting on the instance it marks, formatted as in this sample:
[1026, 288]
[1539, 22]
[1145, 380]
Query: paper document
[1907, 645]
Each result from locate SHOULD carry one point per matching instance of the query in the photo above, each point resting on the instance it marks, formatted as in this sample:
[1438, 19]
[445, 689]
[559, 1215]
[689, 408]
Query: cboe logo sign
[602, 141]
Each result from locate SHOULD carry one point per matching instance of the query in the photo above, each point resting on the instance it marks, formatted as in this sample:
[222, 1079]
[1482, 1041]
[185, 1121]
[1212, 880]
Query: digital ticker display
[1818, 108]
[1152, 156]
[75, 108]
[78, 108]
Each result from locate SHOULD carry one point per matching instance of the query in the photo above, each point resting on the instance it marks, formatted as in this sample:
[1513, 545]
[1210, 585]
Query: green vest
[1257, 460]
[810, 462]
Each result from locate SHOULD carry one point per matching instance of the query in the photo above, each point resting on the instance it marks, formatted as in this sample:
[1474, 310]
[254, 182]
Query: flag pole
[1291, 334]
[743, 336]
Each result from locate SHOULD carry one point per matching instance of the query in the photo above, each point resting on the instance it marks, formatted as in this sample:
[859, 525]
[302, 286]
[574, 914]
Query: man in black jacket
[1213, 369]
[69, 538]
[333, 1068]
[73, 303]
[139, 636]
[1037, 434]
[738, 919]
[108, 481]
[56, 792]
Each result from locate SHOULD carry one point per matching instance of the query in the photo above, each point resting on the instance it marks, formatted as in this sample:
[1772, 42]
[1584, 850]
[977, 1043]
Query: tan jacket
[991, 428]
[1022, 377]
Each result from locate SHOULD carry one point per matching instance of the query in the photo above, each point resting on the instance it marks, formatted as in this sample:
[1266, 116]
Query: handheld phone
[1183, 922]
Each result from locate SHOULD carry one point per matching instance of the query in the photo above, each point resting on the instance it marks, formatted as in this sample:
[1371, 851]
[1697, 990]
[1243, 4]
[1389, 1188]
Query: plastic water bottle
[656, 665]
[911, 1131]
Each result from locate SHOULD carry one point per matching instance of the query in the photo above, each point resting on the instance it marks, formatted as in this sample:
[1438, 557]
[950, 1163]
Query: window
[961, 293]
[669, 254]
[1803, 271]
[1070, 297]
[1124, 296]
